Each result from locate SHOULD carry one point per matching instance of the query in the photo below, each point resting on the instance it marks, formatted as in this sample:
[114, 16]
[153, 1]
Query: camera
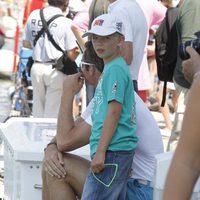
[190, 43]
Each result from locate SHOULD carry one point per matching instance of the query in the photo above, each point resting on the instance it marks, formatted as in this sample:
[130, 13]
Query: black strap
[42, 30]
[164, 94]
[50, 37]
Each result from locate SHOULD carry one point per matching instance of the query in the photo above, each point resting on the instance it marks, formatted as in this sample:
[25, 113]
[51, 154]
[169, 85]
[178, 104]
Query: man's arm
[78, 34]
[73, 53]
[126, 50]
[27, 44]
[108, 130]
[70, 136]
[185, 167]
[192, 65]
[53, 160]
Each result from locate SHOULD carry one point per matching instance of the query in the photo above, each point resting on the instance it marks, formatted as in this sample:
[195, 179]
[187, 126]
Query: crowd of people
[112, 38]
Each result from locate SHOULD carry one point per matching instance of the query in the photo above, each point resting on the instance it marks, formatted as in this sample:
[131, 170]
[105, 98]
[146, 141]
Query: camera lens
[182, 50]
[191, 43]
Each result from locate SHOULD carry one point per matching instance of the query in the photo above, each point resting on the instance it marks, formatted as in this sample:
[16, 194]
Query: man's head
[91, 65]
[107, 35]
[62, 4]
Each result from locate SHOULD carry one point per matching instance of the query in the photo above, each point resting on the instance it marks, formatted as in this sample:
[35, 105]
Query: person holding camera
[185, 167]
[187, 24]
[47, 81]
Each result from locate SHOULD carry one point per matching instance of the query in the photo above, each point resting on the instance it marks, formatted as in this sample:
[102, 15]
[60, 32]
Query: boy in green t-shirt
[113, 139]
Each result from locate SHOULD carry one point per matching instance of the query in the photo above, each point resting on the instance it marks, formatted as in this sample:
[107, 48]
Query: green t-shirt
[188, 23]
[115, 84]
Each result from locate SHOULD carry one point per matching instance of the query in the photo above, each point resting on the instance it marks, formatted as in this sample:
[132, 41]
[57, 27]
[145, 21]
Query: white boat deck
[157, 116]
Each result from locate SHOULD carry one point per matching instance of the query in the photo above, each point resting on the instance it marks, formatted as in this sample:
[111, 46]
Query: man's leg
[69, 187]
[39, 90]
[177, 124]
[53, 80]
[138, 191]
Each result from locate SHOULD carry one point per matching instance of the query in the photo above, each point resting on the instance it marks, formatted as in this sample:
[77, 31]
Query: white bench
[163, 162]
[24, 140]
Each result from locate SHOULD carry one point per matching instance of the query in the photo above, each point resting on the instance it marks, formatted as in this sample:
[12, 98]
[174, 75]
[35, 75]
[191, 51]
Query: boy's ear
[120, 40]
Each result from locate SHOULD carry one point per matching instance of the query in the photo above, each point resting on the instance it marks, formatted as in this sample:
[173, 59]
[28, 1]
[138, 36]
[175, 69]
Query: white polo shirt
[136, 29]
[60, 28]
[150, 140]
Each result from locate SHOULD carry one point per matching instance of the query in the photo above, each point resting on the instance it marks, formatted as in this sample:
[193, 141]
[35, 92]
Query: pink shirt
[154, 12]
[81, 20]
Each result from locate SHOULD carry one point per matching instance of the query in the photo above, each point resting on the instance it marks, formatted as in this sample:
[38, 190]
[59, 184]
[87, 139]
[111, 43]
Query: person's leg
[107, 184]
[179, 113]
[153, 73]
[174, 99]
[164, 110]
[38, 89]
[69, 187]
[54, 83]
[45, 191]
[143, 95]
[138, 191]
[56, 189]
[135, 86]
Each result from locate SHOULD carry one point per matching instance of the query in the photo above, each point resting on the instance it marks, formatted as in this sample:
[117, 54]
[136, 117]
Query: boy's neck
[110, 58]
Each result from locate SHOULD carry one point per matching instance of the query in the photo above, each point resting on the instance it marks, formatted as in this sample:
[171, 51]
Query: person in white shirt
[64, 174]
[46, 81]
[136, 30]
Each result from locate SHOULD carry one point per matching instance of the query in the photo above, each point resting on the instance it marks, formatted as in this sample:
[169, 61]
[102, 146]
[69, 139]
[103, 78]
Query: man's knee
[75, 167]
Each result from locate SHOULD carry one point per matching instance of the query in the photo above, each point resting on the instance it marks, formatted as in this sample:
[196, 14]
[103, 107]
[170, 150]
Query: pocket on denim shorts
[107, 176]
[124, 160]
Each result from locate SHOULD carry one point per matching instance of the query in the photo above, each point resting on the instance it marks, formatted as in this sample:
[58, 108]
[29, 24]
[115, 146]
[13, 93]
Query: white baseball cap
[104, 25]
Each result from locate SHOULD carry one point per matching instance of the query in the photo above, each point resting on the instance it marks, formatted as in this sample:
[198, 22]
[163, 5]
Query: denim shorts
[138, 191]
[95, 186]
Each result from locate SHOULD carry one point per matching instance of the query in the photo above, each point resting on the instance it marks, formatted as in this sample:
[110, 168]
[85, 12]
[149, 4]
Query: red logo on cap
[98, 22]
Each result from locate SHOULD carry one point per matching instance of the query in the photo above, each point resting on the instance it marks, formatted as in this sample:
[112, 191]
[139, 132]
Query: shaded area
[5, 101]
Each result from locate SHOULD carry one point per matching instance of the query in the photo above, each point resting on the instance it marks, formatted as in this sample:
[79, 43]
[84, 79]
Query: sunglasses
[85, 65]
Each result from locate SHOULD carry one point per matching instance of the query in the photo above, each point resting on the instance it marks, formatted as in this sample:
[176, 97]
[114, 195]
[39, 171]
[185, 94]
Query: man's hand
[53, 162]
[97, 164]
[192, 65]
[73, 83]
[26, 44]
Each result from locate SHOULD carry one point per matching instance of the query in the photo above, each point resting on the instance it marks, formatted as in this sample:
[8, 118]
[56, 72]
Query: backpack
[166, 42]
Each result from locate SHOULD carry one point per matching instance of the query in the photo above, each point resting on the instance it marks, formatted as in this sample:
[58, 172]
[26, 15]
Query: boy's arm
[109, 127]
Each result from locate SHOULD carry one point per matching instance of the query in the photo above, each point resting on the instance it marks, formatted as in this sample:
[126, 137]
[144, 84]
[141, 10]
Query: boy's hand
[97, 164]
